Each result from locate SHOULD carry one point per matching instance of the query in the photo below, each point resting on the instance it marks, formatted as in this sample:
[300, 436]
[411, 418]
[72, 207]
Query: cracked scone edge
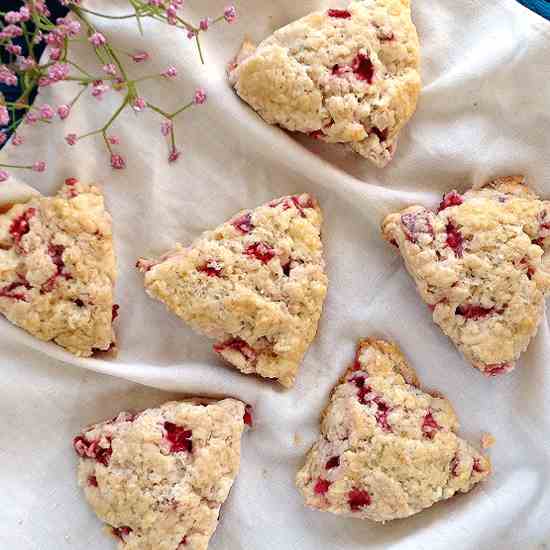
[256, 284]
[58, 268]
[387, 449]
[352, 80]
[480, 263]
[158, 478]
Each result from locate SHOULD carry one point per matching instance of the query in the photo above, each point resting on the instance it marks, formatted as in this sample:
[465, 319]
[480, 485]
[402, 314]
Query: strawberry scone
[255, 284]
[159, 478]
[57, 268]
[340, 75]
[479, 264]
[387, 449]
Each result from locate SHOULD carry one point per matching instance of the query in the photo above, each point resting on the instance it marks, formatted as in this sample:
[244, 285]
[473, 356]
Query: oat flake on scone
[387, 449]
[255, 284]
[159, 478]
[57, 268]
[341, 75]
[480, 264]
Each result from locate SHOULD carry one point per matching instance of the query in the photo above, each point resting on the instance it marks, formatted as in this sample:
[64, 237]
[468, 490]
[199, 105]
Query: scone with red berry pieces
[255, 284]
[340, 75]
[57, 268]
[479, 263]
[387, 449]
[159, 478]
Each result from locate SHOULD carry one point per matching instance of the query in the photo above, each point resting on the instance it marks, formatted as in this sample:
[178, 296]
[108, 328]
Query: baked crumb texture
[57, 268]
[159, 478]
[387, 449]
[342, 76]
[480, 264]
[255, 284]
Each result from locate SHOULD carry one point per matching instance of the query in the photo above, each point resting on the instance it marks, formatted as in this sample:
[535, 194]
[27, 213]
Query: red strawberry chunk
[358, 499]
[20, 226]
[455, 463]
[339, 14]
[477, 466]
[454, 239]
[178, 437]
[92, 449]
[247, 418]
[114, 315]
[212, 268]
[71, 181]
[359, 381]
[363, 68]
[122, 532]
[237, 344]
[333, 462]
[450, 199]
[429, 425]
[472, 311]
[10, 290]
[415, 224]
[243, 224]
[498, 368]
[260, 251]
[316, 134]
[55, 251]
[322, 486]
[381, 134]
[92, 481]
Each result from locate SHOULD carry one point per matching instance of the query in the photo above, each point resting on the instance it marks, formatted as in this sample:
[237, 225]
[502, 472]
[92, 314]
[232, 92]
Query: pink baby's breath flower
[230, 14]
[99, 89]
[4, 116]
[58, 71]
[68, 27]
[117, 162]
[170, 72]
[44, 81]
[174, 155]
[12, 31]
[71, 139]
[24, 13]
[204, 24]
[17, 140]
[39, 166]
[114, 140]
[166, 127]
[200, 97]
[40, 7]
[139, 104]
[55, 54]
[26, 63]
[109, 68]
[191, 34]
[97, 39]
[7, 76]
[14, 49]
[46, 112]
[4, 175]
[54, 38]
[171, 11]
[30, 118]
[63, 111]
[12, 17]
[155, 3]
[138, 57]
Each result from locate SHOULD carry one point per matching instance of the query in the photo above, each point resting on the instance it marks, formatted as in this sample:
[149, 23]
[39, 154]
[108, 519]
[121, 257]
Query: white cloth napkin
[484, 111]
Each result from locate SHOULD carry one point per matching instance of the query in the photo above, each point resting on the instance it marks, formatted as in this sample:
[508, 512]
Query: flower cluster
[32, 24]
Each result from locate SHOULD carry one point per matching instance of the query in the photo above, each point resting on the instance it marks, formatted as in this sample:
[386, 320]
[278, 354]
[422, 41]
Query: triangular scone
[159, 478]
[341, 75]
[479, 265]
[57, 268]
[387, 449]
[256, 284]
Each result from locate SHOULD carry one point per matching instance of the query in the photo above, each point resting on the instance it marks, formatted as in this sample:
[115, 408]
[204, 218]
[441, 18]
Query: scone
[479, 264]
[387, 449]
[341, 75]
[57, 268]
[159, 478]
[255, 284]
